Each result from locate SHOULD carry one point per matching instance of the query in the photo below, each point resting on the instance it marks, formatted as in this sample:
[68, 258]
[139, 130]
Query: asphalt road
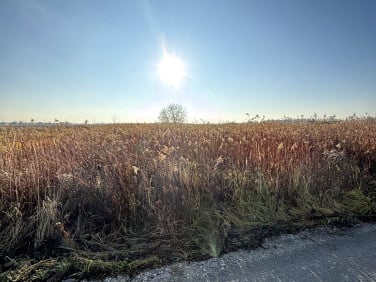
[322, 254]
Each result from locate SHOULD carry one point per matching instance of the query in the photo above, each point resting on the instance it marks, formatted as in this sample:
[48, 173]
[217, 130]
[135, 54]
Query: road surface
[323, 254]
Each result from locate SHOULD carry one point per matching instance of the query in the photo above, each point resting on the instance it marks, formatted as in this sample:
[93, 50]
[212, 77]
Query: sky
[77, 60]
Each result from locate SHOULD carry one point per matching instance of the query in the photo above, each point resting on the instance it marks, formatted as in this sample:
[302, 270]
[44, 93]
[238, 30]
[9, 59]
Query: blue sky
[97, 60]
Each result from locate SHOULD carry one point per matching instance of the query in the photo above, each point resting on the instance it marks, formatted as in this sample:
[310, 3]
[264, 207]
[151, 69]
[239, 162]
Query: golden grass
[125, 193]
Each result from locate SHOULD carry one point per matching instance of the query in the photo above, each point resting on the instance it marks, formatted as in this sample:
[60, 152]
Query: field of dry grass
[81, 200]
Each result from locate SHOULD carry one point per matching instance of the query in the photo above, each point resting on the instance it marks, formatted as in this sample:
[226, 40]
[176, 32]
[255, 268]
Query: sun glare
[171, 70]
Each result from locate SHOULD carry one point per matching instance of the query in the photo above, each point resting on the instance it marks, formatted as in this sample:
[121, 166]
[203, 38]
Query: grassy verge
[87, 201]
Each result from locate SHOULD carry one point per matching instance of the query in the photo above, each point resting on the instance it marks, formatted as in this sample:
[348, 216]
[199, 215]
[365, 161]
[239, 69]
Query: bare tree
[173, 113]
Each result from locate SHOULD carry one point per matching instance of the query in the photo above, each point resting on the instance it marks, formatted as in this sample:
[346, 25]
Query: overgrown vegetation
[83, 200]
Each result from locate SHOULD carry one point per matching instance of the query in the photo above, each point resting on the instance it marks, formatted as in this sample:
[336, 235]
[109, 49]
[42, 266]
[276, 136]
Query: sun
[171, 70]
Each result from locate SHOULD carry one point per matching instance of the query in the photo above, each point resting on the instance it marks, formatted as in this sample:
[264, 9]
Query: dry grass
[125, 197]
